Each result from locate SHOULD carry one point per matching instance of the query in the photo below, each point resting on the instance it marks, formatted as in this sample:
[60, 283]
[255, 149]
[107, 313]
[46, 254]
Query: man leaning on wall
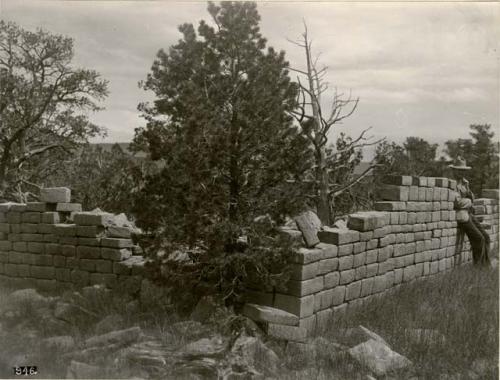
[467, 222]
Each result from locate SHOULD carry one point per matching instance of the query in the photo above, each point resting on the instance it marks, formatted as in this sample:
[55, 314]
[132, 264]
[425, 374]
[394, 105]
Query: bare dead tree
[316, 122]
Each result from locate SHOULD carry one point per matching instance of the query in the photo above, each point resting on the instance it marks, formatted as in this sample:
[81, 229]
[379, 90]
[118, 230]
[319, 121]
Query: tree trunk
[322, 204]
[234, 185]
[3, 173]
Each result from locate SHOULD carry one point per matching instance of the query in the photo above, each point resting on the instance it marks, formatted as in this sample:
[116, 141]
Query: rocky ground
[94, 333]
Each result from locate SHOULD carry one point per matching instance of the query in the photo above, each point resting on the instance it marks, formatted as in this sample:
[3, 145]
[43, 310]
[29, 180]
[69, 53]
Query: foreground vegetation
[446, 325]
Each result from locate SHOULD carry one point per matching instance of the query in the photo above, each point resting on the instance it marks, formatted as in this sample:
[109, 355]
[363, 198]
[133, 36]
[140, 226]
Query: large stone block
[299, 306]
[331, 280]
[353, 290]
[490, 193]
[381, 232]
[413, 193]
[43, 272]
[16, 257]
[367, 220]
[422, 194]
[441, 182]
[360, 272]
[45, 228]
[366, 286]
[44, 260]
[36, 247]
[116, 243]
[115, 254]
[88, 252]
[399, 180]
[419, 181]
[372, 270]
[14, 217]
[50, 218]
[359, 259]
[379, 284]
[31, 217]
[93, 218]
[345, 250]
[304, 271]
[393, 193]
[65, 229]
[338, 236]
[55, 195]
[347, 276]
[288, 333]
[371, 256]
[69, 207]
[328, 265]
[59, 261]
[346, 262]
[304, 288]
[390, 206]
[309, 224]
[328, 250]
[291, 235]
[268, 314]
[307, 255]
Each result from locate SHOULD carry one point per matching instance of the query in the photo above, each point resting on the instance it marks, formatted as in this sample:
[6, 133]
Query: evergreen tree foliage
[227, 152]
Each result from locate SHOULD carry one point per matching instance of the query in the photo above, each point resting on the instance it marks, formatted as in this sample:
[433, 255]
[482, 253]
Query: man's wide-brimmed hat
[459, 164]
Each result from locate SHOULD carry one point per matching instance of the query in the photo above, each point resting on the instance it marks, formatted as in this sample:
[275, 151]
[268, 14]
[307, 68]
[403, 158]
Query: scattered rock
[78, 370]
[378, 357]
[146, 354]
[62, 343]
[354, 336]
[256, 354]
[71, 312]
[200, 369]
[118, 337]
[109, 323]
[190, 329]
[206, 347]
[26, 297]
[340, 224]
[309, 224]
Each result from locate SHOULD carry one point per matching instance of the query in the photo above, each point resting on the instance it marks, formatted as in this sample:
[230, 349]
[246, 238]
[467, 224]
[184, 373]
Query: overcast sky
[419, 69]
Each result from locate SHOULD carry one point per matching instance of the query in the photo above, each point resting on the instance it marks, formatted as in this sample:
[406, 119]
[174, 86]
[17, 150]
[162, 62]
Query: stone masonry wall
[411, 234]
[52, 243]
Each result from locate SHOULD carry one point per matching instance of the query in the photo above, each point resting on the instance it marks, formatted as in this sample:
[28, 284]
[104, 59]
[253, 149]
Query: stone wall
[411, 234]
[52, 243]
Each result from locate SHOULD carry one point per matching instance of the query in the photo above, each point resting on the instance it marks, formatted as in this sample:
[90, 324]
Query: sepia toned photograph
[237, 190]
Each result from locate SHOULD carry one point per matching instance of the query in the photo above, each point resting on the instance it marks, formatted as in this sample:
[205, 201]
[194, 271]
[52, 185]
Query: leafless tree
[316, 122]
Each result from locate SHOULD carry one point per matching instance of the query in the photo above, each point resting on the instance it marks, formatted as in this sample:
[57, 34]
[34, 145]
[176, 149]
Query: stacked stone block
[411, 234]
[486, 211]
[53, 243]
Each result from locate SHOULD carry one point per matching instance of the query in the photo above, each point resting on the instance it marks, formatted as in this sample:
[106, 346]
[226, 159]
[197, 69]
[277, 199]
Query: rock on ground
[378, 357]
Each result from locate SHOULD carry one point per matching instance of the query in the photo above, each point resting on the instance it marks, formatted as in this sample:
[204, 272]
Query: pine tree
[221, 130]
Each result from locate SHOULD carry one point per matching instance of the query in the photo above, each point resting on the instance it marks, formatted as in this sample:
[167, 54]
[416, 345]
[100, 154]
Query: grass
[459, 308]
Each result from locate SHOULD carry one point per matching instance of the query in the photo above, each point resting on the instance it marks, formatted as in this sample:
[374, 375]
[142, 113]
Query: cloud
[419, 68]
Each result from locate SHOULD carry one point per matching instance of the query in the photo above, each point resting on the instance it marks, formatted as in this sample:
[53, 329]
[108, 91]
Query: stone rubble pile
[54, 243]
[412, 233]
